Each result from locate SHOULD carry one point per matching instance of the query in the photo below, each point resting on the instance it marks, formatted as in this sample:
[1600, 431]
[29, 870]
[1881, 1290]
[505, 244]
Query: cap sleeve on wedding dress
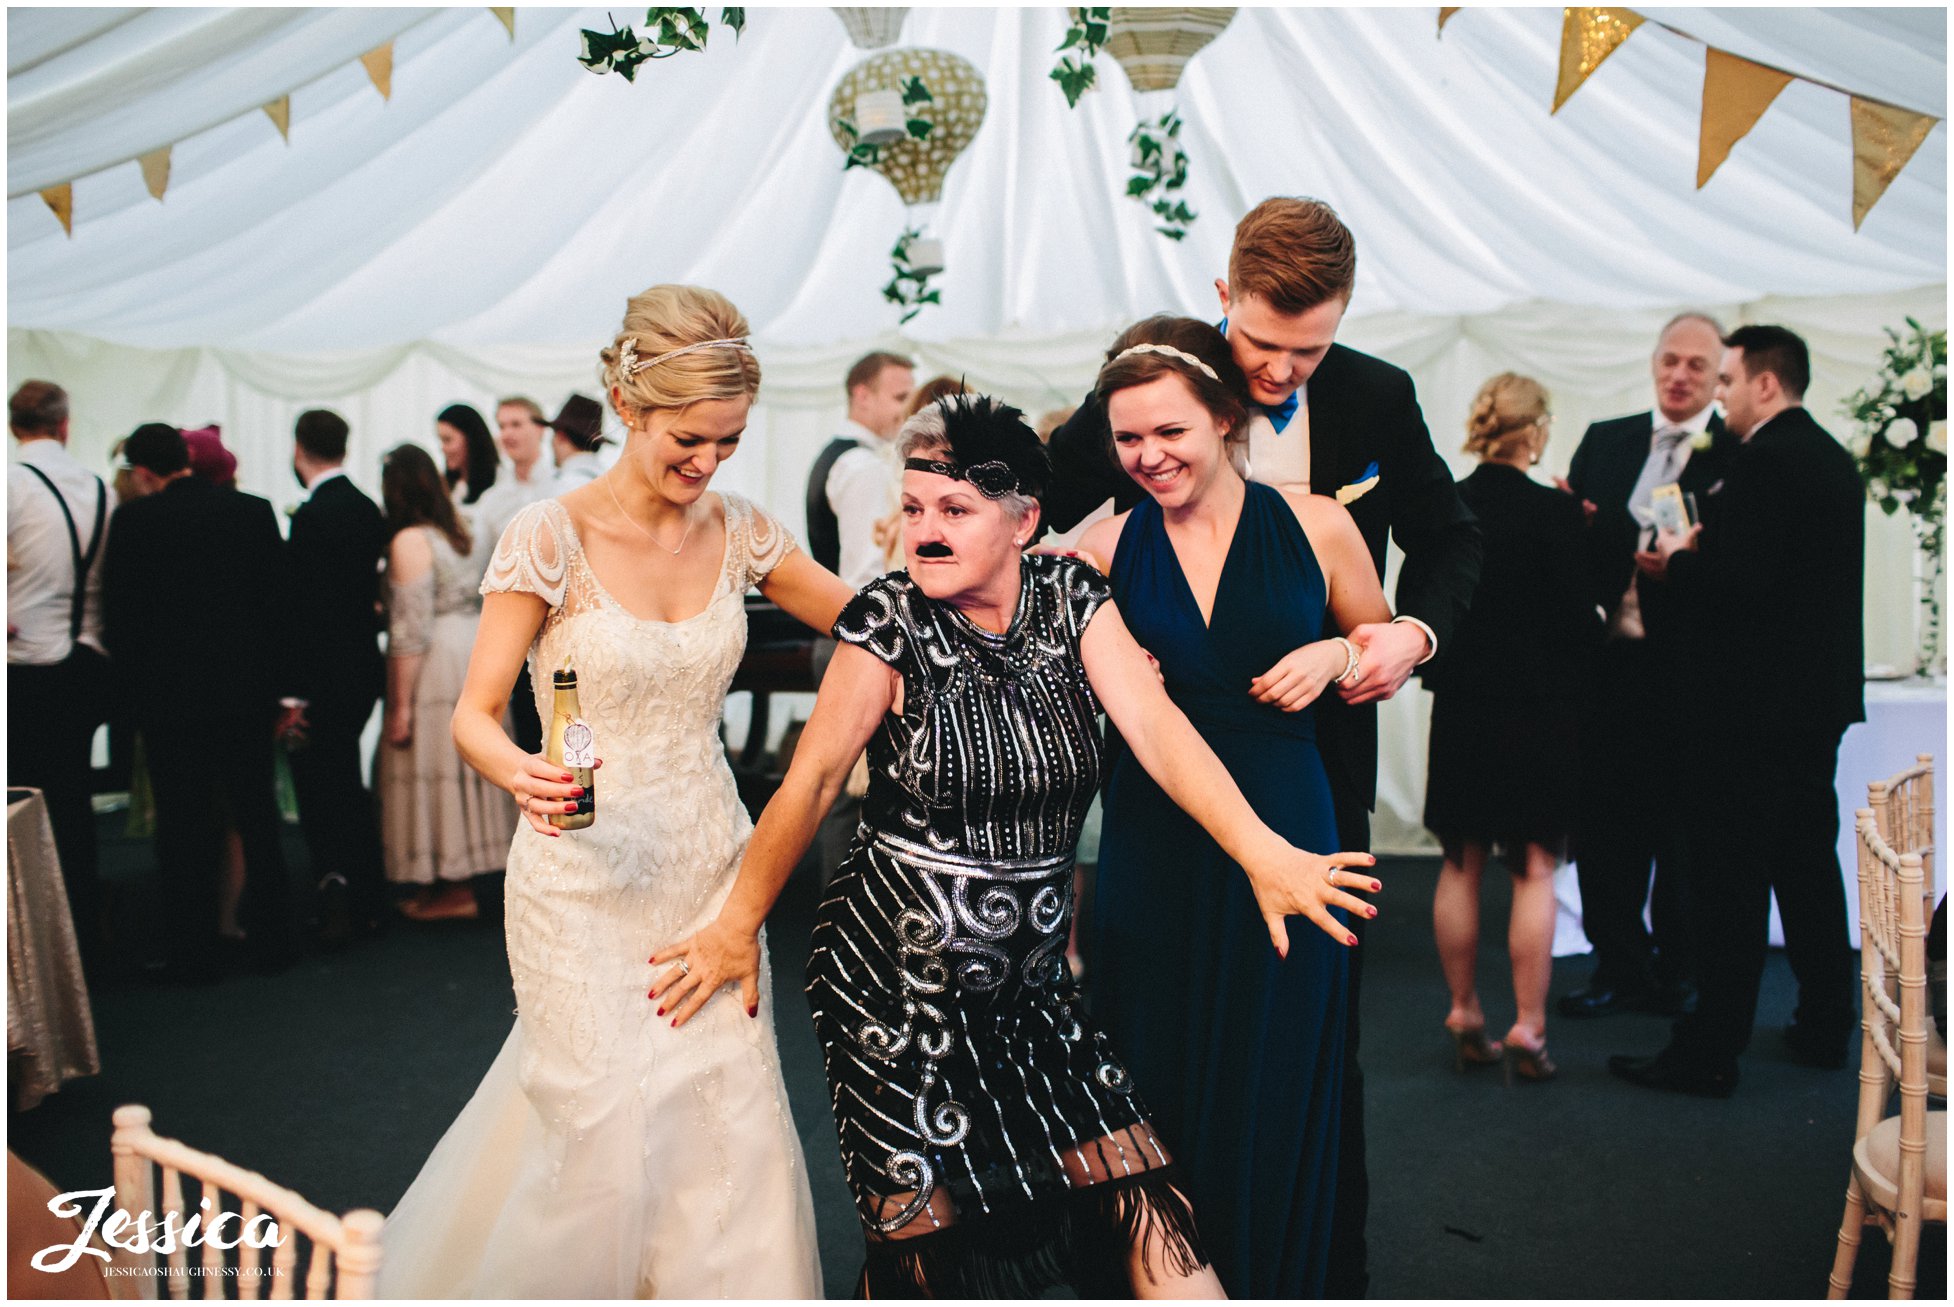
[533, 556]
[762, 541]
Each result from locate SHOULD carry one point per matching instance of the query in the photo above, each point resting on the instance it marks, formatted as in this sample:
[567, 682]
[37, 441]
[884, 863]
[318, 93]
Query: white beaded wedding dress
[607, 1155]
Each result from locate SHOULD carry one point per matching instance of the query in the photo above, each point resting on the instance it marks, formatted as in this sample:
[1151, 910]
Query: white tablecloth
[1903, 719]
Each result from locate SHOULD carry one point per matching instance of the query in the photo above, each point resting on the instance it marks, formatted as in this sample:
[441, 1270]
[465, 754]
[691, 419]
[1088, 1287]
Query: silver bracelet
[1350, 660]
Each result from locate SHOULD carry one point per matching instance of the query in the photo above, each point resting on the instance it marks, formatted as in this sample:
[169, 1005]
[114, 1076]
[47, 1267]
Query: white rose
[1861, 443]
[1905, 495]
[1876, 488]
[1701, 441]
[1902, 433]
[1917, 384]
[1937, 437]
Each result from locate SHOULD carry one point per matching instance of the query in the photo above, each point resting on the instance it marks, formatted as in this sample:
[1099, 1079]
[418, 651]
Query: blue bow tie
[1279, 414]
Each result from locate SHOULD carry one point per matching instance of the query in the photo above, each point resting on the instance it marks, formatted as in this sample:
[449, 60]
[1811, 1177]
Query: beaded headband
[993, 478]
[628, 361]
[1170, 352]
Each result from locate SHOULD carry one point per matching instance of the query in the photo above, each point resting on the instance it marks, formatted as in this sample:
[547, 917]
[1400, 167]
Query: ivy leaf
[920, 128]
[915, 92]
[1139, 186]
[735, 19]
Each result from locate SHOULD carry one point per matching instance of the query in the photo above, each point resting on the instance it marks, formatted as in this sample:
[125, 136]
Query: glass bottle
[573, 747]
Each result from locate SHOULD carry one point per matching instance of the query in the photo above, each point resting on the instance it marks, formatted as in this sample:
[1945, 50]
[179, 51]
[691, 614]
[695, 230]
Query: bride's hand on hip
[717, 956]
[1301, 884]
[543, 788]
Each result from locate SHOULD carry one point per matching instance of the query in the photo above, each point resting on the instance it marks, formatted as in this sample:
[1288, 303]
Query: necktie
[1664, 465]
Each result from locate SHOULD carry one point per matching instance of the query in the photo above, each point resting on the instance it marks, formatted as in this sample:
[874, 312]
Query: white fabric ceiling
[505, 196]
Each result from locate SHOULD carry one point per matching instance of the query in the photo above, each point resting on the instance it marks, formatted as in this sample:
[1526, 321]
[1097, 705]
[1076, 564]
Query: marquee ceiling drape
[504, 196]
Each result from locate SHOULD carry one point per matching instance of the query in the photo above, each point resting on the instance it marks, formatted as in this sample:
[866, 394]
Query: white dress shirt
[1627, 622]
[1280, 458]
[580, 469]
[863, 488]
[40, 557]
[501, 502]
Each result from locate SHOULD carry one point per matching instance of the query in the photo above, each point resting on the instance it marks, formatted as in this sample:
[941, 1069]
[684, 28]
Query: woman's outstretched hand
[1300, 884]
[718, 955]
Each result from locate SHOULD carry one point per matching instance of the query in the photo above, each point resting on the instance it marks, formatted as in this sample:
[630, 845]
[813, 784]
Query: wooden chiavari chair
[1899, 1163]
[1903, 808]
[345, 1251]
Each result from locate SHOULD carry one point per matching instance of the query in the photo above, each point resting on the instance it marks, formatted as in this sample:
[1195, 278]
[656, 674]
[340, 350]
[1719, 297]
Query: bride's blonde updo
[1504, 416]
[667, 318]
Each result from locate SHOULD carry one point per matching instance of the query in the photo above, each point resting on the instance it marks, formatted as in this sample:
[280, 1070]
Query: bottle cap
[564, 678]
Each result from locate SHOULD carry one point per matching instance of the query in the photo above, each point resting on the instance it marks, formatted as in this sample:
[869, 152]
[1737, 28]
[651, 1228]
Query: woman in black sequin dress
[994, 1143]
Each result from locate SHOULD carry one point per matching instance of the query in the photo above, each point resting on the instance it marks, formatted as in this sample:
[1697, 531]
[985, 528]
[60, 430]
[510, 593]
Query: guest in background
[468, 450]
[57, 675]
[208, 457]
[337, 538]
[196, 613]
[441, 823]
[1772, 591]
[520, 428]
[1631, 804]
[1505, 708]
[852, 485]
[578, 434]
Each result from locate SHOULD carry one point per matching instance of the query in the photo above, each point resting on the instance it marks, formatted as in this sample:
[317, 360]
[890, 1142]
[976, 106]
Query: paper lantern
[872, 29]
[955, 110]
[880, 117]
[1154, 45]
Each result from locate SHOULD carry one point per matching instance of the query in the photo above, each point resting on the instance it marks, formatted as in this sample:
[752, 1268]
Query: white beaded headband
[628, 361]
[1170, 352]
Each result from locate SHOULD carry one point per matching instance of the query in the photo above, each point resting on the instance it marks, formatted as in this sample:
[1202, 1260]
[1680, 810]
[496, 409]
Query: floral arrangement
[667, 32]
[1900, 424]
[1900, 441]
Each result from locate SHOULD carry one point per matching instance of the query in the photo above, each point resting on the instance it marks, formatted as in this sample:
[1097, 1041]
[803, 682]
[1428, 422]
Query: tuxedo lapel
[1327, 416]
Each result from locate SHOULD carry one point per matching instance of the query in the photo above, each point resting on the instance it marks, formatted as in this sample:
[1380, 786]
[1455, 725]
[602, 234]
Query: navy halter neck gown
[1239, 1053]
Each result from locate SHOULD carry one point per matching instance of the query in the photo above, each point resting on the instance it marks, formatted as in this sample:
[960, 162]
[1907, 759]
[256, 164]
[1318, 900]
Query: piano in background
[779, 660]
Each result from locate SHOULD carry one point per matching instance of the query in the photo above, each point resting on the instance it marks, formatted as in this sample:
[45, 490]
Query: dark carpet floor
[337, 1078]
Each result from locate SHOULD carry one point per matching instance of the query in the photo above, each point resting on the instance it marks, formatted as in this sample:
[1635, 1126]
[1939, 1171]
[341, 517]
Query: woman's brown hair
[414, 494]
[1224, 395]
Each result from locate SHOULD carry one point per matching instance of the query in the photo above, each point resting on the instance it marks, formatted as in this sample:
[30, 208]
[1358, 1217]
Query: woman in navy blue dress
[1231, 585]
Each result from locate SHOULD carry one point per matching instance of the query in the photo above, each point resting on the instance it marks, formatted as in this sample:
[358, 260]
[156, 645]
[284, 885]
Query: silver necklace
[644, 530]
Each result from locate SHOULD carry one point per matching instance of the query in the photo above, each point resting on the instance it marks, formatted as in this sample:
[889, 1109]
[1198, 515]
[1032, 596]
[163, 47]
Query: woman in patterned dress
[993, 1141]
[607, 1155]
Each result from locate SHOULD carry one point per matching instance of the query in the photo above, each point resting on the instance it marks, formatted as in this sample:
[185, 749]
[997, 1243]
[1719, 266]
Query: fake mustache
[934, 549]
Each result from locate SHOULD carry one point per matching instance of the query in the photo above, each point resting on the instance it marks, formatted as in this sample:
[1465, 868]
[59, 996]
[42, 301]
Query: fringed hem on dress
[1081, 1239]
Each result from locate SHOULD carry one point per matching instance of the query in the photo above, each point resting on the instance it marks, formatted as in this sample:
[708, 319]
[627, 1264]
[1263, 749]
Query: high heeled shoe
[1472, 1048]
[1529, 1063]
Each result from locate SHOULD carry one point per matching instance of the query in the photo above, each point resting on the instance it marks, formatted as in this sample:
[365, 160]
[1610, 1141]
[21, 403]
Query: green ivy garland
[1087, 35]
[1160, 172]
[908, 287]
[668, 32]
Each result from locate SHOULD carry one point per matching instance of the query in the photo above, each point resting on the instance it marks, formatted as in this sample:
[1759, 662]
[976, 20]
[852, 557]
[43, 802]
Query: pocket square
[1357, 489]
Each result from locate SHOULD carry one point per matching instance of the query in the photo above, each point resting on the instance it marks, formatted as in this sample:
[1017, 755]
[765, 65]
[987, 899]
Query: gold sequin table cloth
[50, 1028]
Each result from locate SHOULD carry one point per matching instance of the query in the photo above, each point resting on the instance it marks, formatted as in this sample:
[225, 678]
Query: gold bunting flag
[380, 67]
[1588, 36]
[508, 17]
[156, 171]
[1883, 139]
[1736, 92]
[1445, 13]
[280, 113]
[62, 200]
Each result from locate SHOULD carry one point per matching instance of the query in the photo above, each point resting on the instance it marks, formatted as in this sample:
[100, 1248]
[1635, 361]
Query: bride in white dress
[606, 1154]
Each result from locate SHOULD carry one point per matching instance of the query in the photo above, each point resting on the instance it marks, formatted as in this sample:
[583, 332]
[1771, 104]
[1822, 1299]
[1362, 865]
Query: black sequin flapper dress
[993, 1142]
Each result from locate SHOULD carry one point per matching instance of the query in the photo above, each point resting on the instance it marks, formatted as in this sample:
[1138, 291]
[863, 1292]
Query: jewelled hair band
[628, 361]
[993, 478]
[1172, 353]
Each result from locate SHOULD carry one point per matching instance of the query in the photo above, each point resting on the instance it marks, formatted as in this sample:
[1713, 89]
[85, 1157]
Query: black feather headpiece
[991, 447]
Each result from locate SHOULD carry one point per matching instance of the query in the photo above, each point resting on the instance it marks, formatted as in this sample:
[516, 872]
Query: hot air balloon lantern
[1153, 47]
[872, 28]
[941, 99]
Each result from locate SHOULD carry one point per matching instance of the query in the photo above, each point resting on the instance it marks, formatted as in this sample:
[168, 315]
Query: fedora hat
[580, 421]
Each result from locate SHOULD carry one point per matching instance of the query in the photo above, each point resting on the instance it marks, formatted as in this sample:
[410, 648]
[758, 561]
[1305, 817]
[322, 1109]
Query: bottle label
[579, 744]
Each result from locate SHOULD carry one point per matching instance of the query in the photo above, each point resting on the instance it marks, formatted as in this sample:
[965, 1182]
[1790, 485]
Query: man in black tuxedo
[1325, 418]
[337, 538]
[1631, 813]
[194, 612]
[1772, 589]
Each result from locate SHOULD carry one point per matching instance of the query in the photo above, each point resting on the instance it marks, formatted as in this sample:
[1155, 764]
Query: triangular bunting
[380, 67]
[62, 200]
[1736, 92]
[1445, 13]
[280, 113]
[1588, 36]
[156, 171]
[508, 17]
[1883, 139]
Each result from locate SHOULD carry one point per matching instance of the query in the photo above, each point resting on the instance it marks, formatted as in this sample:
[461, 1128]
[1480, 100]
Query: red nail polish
[577, 793]
[567, 778]
[674, 1021]
[1352, 941]
[753, 1011]
[1373, 912]
[661, 1011]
